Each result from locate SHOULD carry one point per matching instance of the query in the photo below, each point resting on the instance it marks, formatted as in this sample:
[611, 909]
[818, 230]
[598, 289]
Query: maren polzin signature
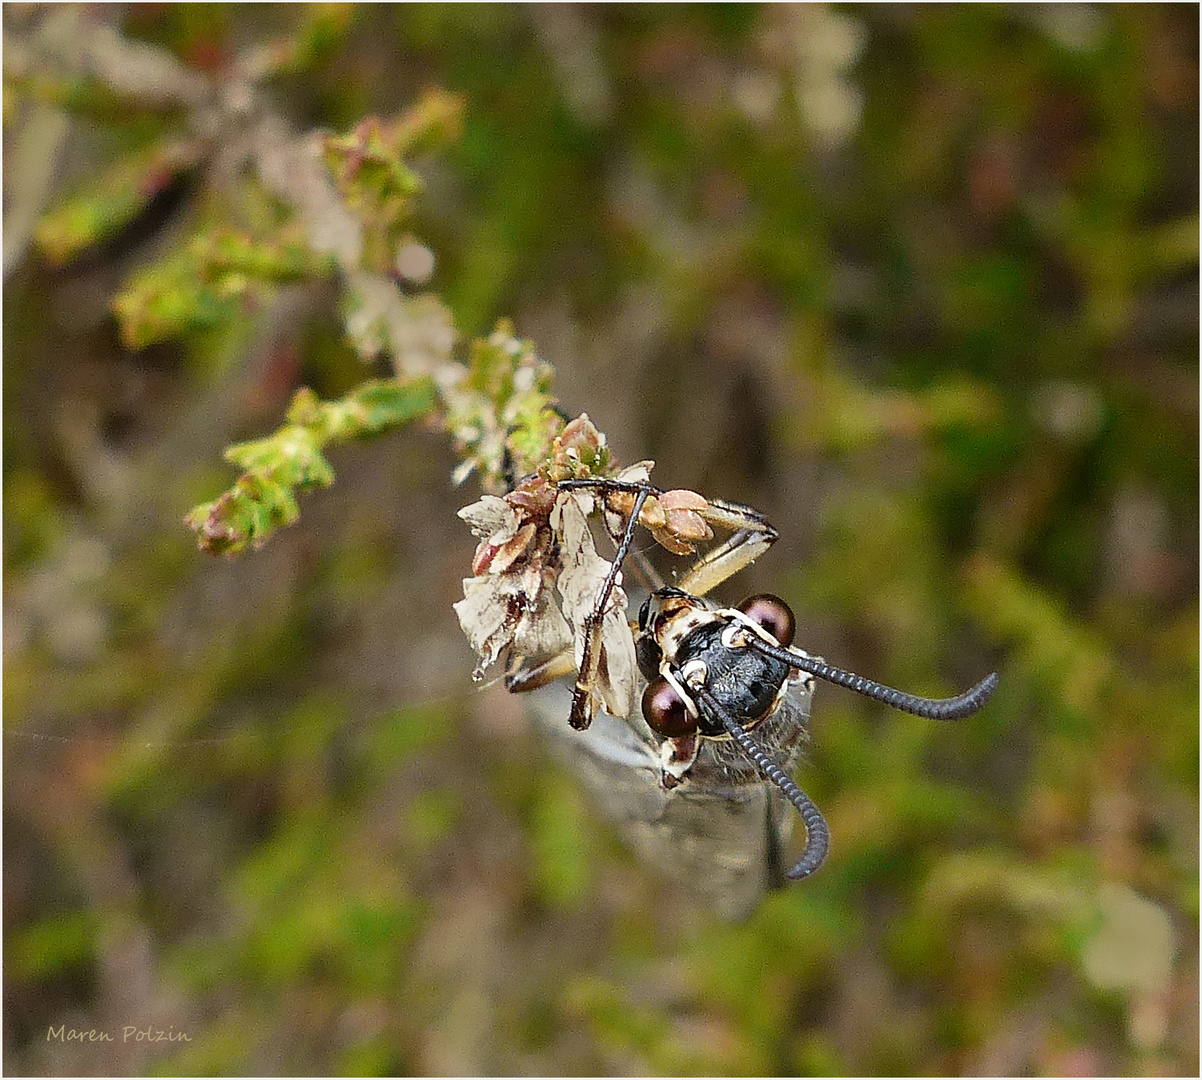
[129, 1033]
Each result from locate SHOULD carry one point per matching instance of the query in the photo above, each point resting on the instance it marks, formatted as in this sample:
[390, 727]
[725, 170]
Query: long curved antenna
[581, 715]
[818, 836]
[606, 484]
[953, 708]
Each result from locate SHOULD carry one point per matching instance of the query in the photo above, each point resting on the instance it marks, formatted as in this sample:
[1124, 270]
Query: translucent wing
[720, 833]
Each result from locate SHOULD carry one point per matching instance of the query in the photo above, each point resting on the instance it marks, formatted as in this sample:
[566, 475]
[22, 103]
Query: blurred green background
[920, 283]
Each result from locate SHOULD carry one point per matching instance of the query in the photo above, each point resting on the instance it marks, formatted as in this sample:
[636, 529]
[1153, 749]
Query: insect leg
[615, 527]
[648, 572]
[650, 576]
[752, 535]
[580, 717]
[953, 708]
[818, 837]
[531, 677]
[774, 857]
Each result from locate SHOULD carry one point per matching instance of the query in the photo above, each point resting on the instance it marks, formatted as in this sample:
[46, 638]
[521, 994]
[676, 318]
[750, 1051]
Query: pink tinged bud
[682, 499]
[688, 525]
[512, 550]
[653, 516]
[675, 523]
[580, 434]
[666, 540]
[534, 498]
[483, 557]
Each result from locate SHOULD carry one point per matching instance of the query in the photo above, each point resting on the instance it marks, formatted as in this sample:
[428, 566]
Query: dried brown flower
[509, 603]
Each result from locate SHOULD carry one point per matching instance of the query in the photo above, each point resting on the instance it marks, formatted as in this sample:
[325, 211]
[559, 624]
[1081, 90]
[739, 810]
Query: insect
[700, 774]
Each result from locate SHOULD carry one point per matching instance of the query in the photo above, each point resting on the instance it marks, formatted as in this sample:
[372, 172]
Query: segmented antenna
[604, 482]
[581, 714]
[953, 708]
[818, 836]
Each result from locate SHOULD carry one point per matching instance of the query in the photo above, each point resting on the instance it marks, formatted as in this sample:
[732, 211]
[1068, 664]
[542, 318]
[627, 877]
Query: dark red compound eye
[665, 712]
[772, 613]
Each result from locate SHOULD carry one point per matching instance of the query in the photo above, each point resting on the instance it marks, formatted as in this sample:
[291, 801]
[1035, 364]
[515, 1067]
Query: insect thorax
[722, 767]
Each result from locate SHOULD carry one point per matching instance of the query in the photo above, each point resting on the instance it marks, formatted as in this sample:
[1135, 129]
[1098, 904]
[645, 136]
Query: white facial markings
[695, 673]
[750, 624]
[730, 640]
[689, 704]
[676, 756]
[672, 631]
[669, 632]
[734, 637]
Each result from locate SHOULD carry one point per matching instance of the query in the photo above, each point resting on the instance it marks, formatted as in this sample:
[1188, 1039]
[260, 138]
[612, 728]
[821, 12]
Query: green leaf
[217, 274]
[112, 202]
[290, 460]
[385, 403]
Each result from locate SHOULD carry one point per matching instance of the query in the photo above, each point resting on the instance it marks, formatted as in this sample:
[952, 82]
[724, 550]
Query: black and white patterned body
[699, 778]
[747, 683]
